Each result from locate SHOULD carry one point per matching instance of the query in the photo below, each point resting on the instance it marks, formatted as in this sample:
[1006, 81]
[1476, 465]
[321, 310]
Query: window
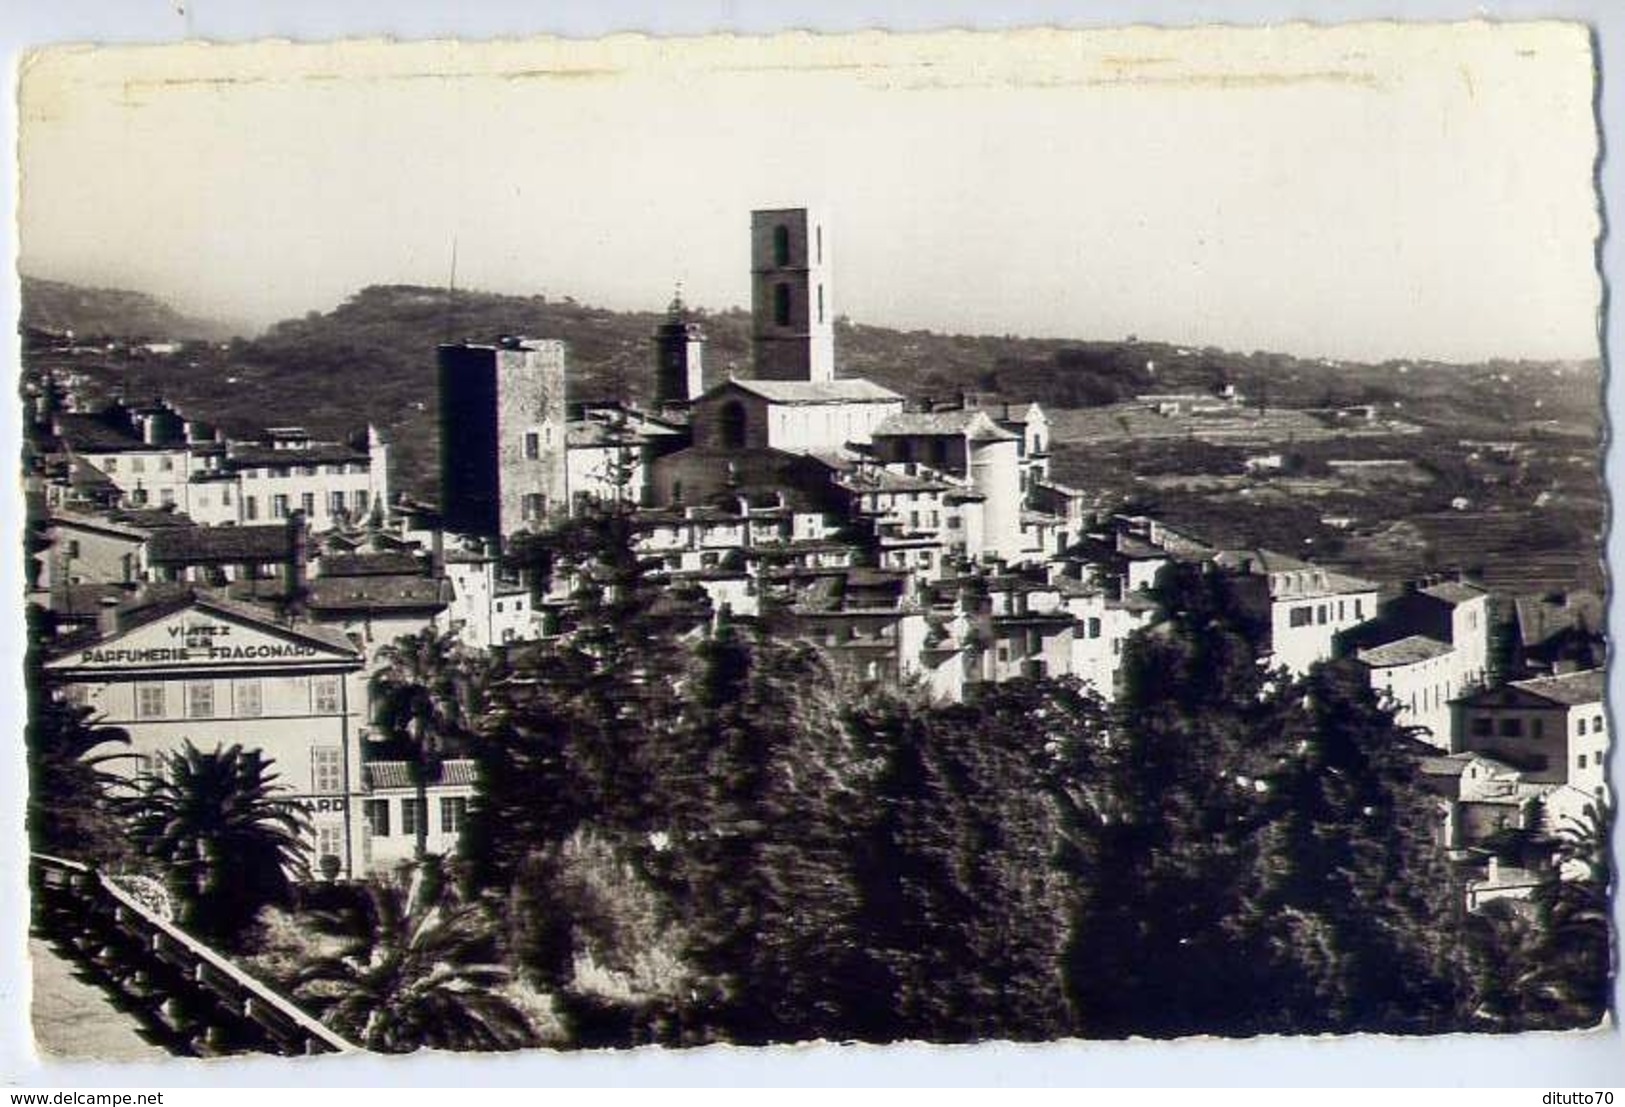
[781, 245]
[1094, 627]
[1580, 762]
[676, 491]
[329, 841]
[251, 508]
[818, 237]
[820, 303]
[361, 501]
[533, 445]
[249, 698]
[1596, 724]
[307, 502]
[73, 547]
[166, 497]
[150, 701]
[326, 770]
[1582, 726]
[734, 424]
[1512, 728]
[225, 497]
[1320, 614]
[1359, 609]
[781, 304]
[413, 815]
[138, 465]
[110, 465]
[532, 505]
[166, 464]
[1539, 728]
[326, 695]
[335, 502]
[279, 506]
[377, 814]
[1301, 616]
[199, 699]
[453, 814]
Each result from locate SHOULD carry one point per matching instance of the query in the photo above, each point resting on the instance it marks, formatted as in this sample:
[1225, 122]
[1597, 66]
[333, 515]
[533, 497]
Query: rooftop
[374, 593]
[398, 774]
[1568, 689]
[1404, 651]
[187, 545]
[846, 391]
[1453, 591]
[972, 424]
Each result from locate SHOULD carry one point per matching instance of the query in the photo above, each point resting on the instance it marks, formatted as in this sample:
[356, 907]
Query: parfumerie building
[216, 672]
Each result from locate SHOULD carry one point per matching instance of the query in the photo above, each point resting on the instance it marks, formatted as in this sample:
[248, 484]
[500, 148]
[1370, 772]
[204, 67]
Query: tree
[70, 813]
[213, 822]
[423, 699]
[771, 789]
[421, 972]
[69, 807]
[966, 908]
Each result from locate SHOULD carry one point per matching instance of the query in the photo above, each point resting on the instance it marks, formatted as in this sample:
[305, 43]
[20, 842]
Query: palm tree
[68, 790]
[213, 821]
[423, 697]
[420, 974]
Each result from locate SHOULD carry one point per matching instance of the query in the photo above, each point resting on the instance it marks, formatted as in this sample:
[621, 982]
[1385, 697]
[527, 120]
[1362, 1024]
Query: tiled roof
[1541, 618]
[1569, 689]
[1404, 651]
[398, 774]
[82, 474]
[846, 391]
[973, 424]
[1453, 591]
[375, 593]
[189, 545]
[93, 433]
[317, 453]
[387, 563]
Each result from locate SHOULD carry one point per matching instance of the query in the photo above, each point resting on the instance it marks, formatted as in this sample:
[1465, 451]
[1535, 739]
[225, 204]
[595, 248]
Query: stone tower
[502, 436]
[792, 310]
[679, 357]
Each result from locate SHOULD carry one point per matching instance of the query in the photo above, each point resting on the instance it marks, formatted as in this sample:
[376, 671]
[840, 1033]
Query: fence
[193, 998]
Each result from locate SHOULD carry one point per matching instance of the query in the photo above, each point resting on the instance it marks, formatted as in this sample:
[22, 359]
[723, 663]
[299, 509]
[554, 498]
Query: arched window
[781, 304]
[733, 424]
[781, 245]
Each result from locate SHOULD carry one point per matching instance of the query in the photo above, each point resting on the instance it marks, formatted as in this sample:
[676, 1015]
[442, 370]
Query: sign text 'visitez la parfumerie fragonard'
[196, 641]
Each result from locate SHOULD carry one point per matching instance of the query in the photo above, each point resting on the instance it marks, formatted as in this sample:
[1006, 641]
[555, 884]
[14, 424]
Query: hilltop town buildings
[909, 539]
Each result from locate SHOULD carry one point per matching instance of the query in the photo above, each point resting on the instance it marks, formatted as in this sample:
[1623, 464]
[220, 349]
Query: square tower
[502, 436]
[792, 309]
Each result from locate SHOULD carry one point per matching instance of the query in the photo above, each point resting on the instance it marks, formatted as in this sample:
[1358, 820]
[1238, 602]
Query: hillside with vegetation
[93, 314]
[371, 359]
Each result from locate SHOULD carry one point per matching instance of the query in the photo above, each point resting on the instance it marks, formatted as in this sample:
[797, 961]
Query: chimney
[298, 562]
[437, 553]
[107, 618]
[1494, 874]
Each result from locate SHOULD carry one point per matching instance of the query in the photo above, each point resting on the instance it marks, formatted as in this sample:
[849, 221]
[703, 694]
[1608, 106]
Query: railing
[189, 995]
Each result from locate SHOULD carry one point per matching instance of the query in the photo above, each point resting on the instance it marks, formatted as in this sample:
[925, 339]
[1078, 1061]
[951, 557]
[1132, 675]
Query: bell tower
[679, 357]
[792, 309]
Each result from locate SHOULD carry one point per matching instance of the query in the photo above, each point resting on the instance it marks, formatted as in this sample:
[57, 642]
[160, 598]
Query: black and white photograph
[596, 544]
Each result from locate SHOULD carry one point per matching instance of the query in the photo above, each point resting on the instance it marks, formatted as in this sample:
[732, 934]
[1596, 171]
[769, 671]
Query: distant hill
[88, 313]
[372, 359]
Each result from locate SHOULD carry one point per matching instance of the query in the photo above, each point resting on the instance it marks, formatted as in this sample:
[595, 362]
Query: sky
[1359, 192]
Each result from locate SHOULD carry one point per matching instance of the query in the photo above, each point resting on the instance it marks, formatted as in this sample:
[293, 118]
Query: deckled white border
[1535, 1060]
